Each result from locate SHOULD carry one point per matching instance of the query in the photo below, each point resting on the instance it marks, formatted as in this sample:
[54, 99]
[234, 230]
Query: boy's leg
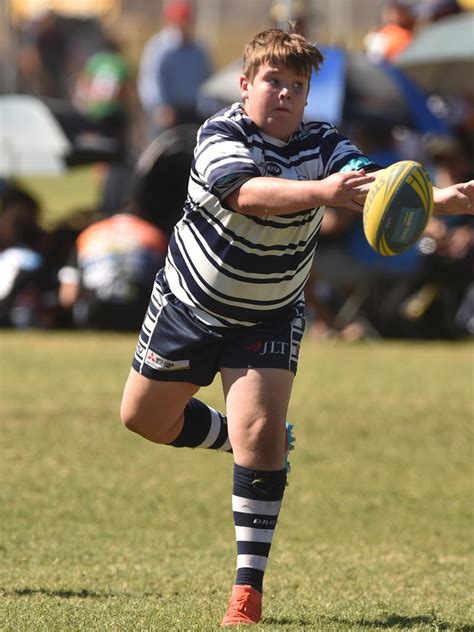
[175, 355]
[166, 412]
[154, 409]
[197, 425]
[257, 402]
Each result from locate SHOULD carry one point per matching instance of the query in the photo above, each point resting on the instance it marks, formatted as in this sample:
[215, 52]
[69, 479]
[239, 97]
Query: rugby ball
[398, 207]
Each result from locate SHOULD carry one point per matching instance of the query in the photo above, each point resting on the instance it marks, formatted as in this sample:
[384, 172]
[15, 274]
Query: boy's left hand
[456, 199]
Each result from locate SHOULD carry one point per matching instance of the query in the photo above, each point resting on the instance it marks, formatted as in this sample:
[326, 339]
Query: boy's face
[275, 99]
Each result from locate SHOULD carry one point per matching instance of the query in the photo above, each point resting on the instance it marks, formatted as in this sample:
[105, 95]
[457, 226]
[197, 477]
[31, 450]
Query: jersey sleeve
[339, 154]
[222, 158]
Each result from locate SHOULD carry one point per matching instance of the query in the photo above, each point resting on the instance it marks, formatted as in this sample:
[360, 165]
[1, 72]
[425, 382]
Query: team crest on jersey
[163, 364]
[272, 169]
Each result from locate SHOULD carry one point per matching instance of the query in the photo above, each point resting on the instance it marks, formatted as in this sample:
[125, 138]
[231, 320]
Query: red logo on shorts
[255, 347]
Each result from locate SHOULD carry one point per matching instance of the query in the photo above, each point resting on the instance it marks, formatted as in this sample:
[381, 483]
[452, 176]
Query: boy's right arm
[277, 196]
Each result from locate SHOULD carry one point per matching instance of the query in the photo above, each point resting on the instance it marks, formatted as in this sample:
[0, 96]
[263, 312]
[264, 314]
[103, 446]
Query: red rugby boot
[245, 606]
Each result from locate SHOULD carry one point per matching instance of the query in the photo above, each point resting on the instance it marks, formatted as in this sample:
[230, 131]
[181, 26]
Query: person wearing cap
[172, 67]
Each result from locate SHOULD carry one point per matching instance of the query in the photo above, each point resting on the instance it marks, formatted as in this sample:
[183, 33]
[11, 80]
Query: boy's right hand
[347, 190]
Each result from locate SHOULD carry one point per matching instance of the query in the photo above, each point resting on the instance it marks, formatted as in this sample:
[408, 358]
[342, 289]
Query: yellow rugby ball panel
[398, 207]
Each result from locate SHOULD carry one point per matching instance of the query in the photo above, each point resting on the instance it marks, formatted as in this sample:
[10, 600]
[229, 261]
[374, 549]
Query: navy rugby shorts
[175, 346]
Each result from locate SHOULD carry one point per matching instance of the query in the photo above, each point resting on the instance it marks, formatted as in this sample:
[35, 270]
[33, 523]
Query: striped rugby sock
[256, 502]
[203, 427]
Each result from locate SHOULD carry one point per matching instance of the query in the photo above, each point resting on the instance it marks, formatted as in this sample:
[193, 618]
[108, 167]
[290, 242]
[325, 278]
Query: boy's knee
[148, 425]
[134, 417]
[129, 417]
[135, 421]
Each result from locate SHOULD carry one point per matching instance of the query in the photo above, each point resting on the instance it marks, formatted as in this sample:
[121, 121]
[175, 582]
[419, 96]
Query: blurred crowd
[400, 21]
[139, 124]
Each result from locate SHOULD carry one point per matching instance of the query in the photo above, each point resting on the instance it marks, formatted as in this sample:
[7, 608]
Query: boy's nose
[284, 93]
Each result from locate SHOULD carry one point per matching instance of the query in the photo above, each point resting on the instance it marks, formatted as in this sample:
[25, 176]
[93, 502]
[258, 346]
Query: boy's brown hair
[281, 47]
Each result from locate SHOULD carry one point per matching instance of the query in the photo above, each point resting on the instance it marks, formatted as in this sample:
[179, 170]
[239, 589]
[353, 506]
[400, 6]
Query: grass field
[61, 197]
[102, 531]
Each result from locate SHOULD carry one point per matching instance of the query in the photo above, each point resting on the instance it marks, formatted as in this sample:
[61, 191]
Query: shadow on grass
[392, 621]
[302, 621]
[400, 622]
[64, 594]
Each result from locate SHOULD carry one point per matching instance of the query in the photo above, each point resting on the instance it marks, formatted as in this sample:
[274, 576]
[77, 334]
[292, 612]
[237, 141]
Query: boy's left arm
[454, 200]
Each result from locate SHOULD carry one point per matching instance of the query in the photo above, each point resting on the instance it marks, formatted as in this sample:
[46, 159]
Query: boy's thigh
[152, 399]
[257, 366]
[256, 405]
[257, 394]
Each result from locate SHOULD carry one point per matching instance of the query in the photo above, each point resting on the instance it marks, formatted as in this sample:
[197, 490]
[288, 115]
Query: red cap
[178, 11]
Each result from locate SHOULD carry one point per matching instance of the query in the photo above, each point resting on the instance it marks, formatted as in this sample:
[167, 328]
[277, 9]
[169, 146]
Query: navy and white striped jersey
[236, 269]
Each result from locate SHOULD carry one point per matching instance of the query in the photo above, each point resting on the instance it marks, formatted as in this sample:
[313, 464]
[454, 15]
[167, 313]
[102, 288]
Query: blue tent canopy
[351, 85]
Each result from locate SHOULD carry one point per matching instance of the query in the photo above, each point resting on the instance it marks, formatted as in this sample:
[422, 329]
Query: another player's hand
[347, 190]
[456, 199]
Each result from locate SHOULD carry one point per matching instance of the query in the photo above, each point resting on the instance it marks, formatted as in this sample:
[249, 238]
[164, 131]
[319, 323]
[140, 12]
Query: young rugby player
[230, 297]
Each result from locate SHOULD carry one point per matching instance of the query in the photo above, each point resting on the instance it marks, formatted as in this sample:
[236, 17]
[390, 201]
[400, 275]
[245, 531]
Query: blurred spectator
[116, 184]
[160, 183]
[108, 279]
[442, 301]
[295, 12]
[395, 33]
[351, 284]
[59, 242]
[451, 159]
[434, 10]
[43, 56]
[172, 67]
[21, 261]
[425, 292]
[103, 92]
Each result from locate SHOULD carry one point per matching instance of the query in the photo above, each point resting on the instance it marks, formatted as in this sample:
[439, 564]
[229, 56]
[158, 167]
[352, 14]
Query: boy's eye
[297, 86]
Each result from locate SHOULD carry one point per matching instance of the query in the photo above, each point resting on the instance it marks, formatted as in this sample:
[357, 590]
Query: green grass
[61, 197]
[103, 531]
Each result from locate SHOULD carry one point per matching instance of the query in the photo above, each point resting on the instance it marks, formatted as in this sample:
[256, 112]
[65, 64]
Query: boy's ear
[244, 84]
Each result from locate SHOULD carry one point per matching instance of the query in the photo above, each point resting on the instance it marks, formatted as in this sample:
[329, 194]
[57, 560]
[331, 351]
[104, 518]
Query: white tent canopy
[441, 56]
[31, 140]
